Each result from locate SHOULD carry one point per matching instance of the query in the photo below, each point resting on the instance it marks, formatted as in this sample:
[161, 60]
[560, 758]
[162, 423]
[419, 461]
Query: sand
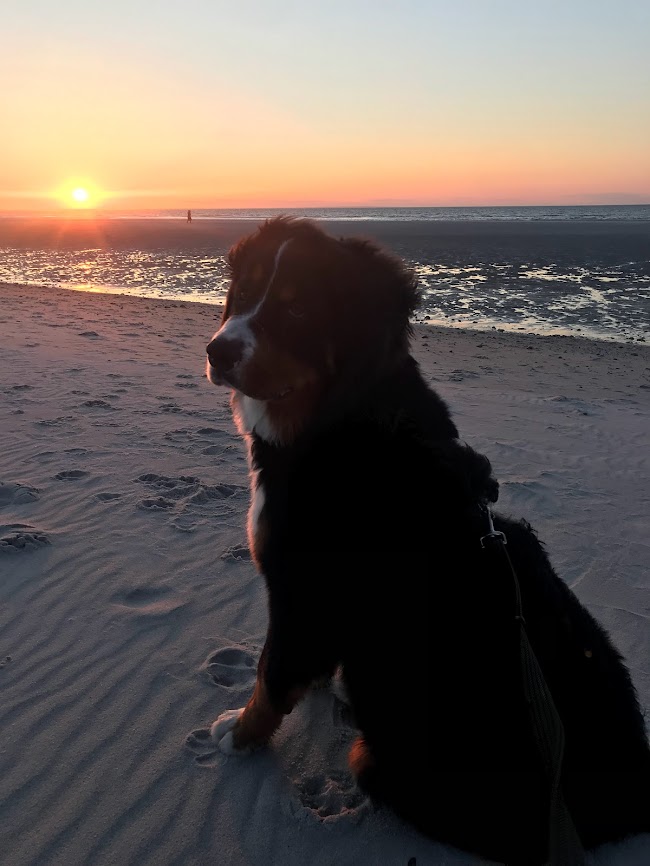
[131, 616]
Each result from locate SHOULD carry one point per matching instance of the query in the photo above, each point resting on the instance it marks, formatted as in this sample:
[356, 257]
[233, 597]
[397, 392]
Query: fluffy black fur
[372, 560]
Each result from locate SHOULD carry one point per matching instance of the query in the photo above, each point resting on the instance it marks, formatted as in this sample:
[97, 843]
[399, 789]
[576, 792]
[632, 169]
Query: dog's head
[308, 316]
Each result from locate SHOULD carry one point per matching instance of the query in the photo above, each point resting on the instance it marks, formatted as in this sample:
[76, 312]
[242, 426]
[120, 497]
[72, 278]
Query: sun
[80, 195]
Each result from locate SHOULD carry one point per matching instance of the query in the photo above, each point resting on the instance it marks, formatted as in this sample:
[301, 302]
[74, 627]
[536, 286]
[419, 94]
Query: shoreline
[478, 328]
[561, 277]
[495, 341]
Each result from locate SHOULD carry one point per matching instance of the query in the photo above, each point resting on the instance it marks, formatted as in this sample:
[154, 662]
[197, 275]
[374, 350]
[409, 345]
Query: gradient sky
[207, 103]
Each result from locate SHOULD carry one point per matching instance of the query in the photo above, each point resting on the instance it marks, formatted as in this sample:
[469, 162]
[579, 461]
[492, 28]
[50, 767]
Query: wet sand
[562, 276]
[557, 240]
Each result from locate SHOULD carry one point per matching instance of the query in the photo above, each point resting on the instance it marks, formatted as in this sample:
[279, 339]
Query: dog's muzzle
[224, 356]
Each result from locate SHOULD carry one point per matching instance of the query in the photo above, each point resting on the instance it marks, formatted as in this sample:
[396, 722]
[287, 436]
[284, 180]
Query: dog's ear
[378, 289]
[383, 277]
[235, 253]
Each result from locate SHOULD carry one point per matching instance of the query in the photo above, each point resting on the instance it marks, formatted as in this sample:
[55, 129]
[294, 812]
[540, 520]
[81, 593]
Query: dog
[365, 520]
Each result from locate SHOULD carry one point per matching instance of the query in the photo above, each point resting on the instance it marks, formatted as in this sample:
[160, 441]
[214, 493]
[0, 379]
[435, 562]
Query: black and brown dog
[366, 522]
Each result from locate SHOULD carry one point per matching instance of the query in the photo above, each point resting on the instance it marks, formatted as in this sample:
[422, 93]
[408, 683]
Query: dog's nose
[224, 353]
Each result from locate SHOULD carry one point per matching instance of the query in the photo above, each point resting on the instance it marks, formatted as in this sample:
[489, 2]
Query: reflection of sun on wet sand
[132, 615]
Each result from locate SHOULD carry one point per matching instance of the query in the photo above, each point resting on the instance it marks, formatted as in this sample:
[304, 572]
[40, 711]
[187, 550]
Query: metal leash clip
[493, 534]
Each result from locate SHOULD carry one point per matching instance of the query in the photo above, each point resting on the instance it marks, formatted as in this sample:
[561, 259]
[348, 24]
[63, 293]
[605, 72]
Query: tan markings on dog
[289, 416]
[289, 387]
[360, 760]
[271, 371]
[260, 720]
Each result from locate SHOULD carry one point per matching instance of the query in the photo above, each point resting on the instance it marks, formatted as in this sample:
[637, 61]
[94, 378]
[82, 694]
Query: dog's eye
[296, 311]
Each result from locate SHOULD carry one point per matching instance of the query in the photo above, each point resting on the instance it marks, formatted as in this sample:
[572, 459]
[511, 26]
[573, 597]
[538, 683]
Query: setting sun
[80, 195]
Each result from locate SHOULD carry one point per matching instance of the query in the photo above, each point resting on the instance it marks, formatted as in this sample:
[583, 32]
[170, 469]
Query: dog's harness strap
[564, 846]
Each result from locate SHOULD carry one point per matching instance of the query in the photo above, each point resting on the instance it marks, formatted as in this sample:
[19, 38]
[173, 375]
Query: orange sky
[281, 113]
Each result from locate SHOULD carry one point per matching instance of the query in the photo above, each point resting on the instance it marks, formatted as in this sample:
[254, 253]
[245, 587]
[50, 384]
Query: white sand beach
[131, 615]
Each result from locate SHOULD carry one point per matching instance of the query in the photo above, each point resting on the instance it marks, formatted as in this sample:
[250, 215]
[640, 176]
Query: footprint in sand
[97, 404]
[157, 504]
[183, 523]
[15, 493]
[21, 537]
[328, 798]
[206, 751]
[461, 375]
[71, 474]
[211, 433]
[56, 422]
[213, 450]
[151, 601]
[208, 492]
[175, 487]
[237, 553]
[231, 668]
[107, 496]
[210, 440]
[188, 488]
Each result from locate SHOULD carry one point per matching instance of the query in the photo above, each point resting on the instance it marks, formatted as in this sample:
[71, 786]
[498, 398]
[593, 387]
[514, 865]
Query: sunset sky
[249, 103]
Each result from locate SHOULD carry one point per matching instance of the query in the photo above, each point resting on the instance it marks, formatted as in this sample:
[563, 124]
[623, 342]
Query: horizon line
[98, 211]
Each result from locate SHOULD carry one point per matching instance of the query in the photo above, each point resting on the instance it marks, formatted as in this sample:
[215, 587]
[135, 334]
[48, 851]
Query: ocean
[413, 214]
[567, 270]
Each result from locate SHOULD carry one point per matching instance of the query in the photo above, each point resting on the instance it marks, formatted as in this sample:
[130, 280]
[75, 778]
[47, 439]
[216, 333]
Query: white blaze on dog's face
[265, 349]
[234, 344]
[290, 328]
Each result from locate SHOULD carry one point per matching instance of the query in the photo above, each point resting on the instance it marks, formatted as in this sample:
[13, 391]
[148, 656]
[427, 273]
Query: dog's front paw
[222, 733]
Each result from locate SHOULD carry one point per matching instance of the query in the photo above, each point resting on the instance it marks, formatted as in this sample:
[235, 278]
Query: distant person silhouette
[189, 216]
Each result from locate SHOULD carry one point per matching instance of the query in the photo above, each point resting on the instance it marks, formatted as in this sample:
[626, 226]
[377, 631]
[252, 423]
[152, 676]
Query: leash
[564, 845]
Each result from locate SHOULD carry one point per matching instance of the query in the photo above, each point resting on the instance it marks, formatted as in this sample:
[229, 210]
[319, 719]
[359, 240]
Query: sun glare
[80, 195]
